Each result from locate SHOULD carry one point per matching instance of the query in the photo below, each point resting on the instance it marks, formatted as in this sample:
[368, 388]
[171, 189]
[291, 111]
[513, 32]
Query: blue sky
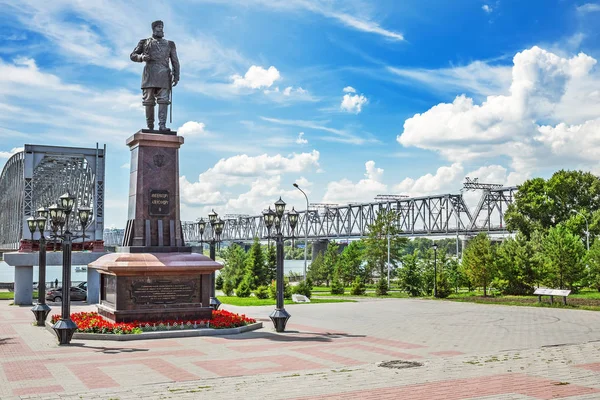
[348, 98]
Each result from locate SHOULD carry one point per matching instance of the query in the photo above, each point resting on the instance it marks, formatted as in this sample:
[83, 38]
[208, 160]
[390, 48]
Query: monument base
[154, 287]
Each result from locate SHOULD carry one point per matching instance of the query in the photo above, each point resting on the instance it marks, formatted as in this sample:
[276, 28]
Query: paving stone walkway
[330, 351]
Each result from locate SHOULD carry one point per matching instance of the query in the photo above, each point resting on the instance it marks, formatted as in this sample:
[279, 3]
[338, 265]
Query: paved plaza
[331, 351]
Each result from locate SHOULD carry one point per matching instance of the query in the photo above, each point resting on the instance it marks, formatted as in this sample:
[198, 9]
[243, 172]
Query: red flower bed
[92, 322]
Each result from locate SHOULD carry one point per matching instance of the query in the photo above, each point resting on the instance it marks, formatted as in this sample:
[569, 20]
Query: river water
[7, 273]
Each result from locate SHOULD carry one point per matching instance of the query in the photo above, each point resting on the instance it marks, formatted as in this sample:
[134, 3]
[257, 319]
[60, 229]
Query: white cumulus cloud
[353, 103]
[445, 180]
[300, 139]
[349, 89]
[487, 8]
[257, 78]
[192, 128]
[527, 125]
[12, 152]
[345, 191]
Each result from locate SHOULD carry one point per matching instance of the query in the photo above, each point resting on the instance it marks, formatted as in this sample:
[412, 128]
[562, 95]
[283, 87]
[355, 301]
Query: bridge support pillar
[24, 285]
[319, 246]
[93, 286]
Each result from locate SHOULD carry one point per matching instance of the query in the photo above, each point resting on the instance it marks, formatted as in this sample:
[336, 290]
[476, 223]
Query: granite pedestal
[155, 287]
[154, 276]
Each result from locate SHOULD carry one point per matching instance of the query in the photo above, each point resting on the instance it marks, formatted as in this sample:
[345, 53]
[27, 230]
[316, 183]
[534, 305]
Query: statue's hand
[175, 82]
[146, 57]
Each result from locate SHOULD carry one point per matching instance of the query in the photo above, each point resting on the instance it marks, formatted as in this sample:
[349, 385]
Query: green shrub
[382, 287]
[243, 289]
[444, 288]
[337, 287]
[304, 288]
[358, 287]
[262, 292]
[228, 287]
[219, 282]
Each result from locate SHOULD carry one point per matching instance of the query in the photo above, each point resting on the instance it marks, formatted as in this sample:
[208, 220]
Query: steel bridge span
[37, 176]
[438, 215]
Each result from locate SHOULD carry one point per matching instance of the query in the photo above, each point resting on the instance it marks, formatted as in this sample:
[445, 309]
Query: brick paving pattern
[330, 351]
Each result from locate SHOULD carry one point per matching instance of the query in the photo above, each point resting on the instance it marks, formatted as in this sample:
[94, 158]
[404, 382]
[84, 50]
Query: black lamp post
[279, 316]
[217, 225]
[59, 216]
[41, 309]
[435, 269]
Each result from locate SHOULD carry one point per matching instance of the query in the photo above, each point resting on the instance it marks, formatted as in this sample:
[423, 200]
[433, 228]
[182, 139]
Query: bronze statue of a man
[157, 79]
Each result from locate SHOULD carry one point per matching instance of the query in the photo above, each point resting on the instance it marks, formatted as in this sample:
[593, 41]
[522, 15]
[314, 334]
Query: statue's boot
[162, 117]
[150, 117]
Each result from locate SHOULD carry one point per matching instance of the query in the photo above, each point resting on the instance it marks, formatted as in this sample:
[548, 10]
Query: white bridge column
[93, 286]
[23, 285]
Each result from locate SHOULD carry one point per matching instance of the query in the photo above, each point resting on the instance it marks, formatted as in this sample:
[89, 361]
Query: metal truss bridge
[37, 176]
[438, 215]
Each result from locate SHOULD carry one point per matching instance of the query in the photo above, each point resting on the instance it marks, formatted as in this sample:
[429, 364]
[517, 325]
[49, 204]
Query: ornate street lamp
[41, 309]
[305, 229]
[435, 246]
[59, 216]
[279, 316]
[217, 225]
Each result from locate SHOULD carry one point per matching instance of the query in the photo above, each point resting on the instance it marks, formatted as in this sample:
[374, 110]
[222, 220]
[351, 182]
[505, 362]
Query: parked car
[82, 285]
[77, 293]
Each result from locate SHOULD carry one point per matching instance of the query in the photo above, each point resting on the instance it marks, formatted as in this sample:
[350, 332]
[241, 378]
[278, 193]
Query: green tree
[234, 267]
[316, 271]
[456, 278]
[592, 260]
[376, 243]
[516, 266]
[351, 263]
[563, 254]
[478, 261]
[331, 261]
[541, 204]
[410, 274]
[256, 268]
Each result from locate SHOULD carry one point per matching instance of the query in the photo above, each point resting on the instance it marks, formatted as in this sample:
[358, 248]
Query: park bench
[552, 292]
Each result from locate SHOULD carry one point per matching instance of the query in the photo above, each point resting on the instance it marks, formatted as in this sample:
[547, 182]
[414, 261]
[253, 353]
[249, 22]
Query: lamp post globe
[42, 212]
[32, 225]
[293, 218]
[201, 227]
[279, 207]
[268, 218]
[67, 201]
[212, 217]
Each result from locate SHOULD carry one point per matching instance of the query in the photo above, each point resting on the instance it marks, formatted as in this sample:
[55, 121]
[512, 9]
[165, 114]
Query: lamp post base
[214, 303]
[279, 317]
[64, 329]
[41, 312]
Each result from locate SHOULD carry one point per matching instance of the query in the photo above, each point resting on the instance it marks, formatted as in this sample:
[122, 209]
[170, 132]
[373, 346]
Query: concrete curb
[163, 334]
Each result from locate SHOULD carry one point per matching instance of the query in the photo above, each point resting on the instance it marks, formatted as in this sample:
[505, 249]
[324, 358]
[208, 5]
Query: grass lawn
[11, 295]
[370, 293]
[253, 301]
[584, 300]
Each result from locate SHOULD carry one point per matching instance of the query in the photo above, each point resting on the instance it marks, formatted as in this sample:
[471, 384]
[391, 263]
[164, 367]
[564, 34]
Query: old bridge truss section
[38, 176]
[441, 215]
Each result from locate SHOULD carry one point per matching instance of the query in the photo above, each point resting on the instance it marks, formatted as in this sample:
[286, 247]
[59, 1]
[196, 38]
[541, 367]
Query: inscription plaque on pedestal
[159, 202]
[162, 291]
